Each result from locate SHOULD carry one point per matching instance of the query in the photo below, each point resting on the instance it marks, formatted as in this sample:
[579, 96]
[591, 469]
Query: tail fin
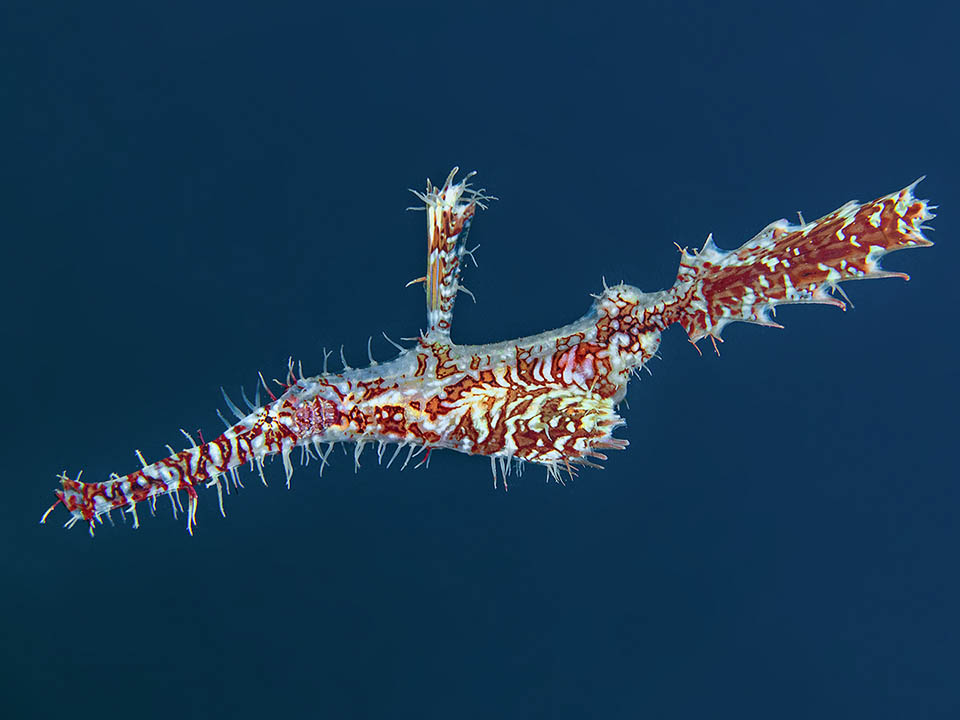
[788, 263]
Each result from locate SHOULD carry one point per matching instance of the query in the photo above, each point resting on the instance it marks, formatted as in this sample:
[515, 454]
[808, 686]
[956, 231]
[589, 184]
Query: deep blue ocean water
[191, 195]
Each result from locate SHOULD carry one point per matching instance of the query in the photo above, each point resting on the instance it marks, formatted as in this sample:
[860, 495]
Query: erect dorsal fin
[450, 210]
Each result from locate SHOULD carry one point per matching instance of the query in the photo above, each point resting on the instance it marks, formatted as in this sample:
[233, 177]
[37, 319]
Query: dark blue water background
[191, 195]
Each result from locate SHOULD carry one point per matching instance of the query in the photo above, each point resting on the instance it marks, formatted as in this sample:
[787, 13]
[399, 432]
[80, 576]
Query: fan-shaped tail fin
[788, 263]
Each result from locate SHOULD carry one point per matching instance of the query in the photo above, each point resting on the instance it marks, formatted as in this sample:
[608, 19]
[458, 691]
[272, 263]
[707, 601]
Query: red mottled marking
[421, 365]
[424, 436]
[445, 365]
[374, 388]
[391, 419]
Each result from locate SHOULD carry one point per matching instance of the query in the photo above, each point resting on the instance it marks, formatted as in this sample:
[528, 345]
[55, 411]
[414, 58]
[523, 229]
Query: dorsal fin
[450, 210]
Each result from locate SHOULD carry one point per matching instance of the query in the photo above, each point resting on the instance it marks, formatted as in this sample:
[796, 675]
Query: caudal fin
[788, 263]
